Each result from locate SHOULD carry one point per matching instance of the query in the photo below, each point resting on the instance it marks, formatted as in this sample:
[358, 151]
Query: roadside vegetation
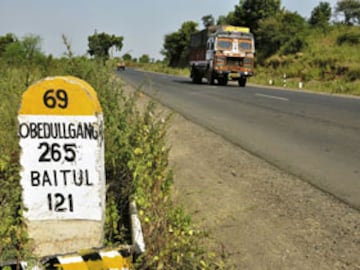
[329, 63]
[136, 161]
[160, 67]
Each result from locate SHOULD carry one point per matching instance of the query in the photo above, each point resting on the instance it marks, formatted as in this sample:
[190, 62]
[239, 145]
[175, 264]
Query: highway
[313, 136]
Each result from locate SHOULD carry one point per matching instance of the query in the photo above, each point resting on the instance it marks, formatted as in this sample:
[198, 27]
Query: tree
[222, 20]
[100, 44]
[145, 58]
[32, 46]
[350, 9]
[176, 45]
[228, 19]
[284, 33]
[173, 48]
[127, 57]
[251, 12]
[25, 51]
[6, 41]
[208, 20]
[25, 54]
[320, 15]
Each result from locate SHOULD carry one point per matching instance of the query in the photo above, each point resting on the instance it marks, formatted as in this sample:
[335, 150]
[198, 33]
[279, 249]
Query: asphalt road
[313, 136]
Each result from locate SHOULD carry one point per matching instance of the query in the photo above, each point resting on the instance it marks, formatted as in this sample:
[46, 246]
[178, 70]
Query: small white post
[136, 231]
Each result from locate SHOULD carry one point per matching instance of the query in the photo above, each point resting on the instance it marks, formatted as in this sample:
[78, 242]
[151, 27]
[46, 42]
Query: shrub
[294, 45]
[14, 242]
[351, 38]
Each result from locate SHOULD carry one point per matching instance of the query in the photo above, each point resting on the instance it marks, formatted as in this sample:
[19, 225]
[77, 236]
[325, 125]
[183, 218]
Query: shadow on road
[204, 83]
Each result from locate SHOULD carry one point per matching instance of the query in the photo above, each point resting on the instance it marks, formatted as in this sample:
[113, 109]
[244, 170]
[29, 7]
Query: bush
[14, 242]
[351, 38]
[294, 45]
[353, 74]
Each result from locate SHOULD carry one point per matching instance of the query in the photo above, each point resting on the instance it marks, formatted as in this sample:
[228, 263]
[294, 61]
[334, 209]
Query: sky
[142, 23]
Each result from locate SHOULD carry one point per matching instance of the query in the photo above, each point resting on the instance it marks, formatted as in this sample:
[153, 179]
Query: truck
[222, 53]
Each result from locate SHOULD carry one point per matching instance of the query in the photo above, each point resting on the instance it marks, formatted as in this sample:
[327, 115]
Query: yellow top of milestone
[61, 95]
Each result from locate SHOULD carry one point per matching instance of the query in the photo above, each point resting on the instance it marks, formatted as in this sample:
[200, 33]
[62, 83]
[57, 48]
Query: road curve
[313, 136]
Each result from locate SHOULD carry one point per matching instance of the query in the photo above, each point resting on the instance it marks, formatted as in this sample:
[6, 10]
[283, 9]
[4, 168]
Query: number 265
[56, 152]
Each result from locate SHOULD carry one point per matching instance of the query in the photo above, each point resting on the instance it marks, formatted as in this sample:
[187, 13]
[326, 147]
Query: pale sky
[142, 23]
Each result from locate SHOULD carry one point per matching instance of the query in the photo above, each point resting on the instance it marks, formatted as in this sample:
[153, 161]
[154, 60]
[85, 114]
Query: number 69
[58, 98]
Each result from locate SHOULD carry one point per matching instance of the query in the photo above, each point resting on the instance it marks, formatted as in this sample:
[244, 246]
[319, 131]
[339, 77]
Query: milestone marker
[61, 135]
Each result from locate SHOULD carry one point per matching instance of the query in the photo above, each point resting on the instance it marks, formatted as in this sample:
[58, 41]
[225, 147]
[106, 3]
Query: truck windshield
[224, 44]
[244, 45]
[227, 44]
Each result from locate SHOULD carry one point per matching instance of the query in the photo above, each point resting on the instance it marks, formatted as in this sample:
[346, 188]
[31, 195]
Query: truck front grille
[234, 61]
[239, 62]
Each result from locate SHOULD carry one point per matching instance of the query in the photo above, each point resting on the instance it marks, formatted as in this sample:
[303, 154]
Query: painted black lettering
[87, 179]
[63, 98]
[44, 157]
[46, 179]
[35, 178]
[33, 130]
[53, 99]
[55, 152]
[70, 154]
[79, 179]
[23, 130]
[58, 202]
[49, 99]
[65, 173]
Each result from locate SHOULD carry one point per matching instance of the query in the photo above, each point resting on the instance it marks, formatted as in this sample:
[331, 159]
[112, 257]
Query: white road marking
[272, 97]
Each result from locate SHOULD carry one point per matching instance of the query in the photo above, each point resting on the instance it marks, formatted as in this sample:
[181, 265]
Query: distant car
[120, 65]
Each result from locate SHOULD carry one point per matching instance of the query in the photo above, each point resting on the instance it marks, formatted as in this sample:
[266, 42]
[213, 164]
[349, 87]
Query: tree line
[276, 29]
[27, 50]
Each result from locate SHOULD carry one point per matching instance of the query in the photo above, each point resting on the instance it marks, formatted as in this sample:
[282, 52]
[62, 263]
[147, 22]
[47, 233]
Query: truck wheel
[211, 79]
[242, 81]
[196, 78]
[223, 81]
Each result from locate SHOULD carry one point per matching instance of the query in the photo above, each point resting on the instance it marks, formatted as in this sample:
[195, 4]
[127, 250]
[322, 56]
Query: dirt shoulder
[263, 217]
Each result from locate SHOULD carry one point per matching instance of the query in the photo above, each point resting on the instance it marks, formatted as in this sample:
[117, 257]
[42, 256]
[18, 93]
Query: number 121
[60, 203]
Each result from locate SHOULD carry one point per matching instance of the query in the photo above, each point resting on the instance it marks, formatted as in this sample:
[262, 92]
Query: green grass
[161, 68]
